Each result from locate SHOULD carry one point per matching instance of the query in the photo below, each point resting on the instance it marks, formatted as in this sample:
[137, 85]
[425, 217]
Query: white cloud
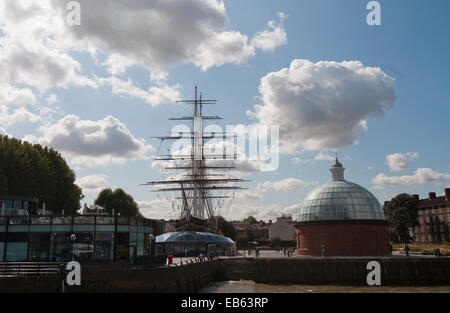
[323, 105]
[31, 139]
[248, 195]
[284, 185]
[3, 132]
[222, 48]
[11, 95]
[93, 143]
[398, 162]
[268, 40]
[324, 157]
[154, 95]
[421, 176]
[37, 45]
[20, 115]
[93, 183]
[267, 212]
[158, 209]
[52, 99]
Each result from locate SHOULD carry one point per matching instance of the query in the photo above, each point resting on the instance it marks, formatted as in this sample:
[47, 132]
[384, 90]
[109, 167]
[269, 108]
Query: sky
[376, 94]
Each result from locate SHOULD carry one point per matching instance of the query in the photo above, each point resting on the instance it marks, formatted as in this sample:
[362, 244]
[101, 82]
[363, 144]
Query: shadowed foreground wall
[190, 278]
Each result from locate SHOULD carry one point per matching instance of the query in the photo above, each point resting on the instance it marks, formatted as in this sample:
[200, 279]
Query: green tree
[118, 200]
[241, 239]
[225, 227]
[36, 171]
[251, 220]
[401, 214]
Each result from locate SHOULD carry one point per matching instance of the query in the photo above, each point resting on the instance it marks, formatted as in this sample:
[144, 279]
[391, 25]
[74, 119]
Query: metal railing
[24, 269]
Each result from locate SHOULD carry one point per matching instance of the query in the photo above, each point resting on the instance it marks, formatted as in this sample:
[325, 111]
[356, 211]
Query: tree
[36, 171]
[225, 227]
[401, 214]
[241, 239]
[251, 220]
[118, 200]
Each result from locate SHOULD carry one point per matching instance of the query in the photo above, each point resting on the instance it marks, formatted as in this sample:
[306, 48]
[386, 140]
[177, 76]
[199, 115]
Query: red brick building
[433, 218]
[344, 217]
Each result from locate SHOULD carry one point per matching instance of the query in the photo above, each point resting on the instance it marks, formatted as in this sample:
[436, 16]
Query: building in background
[283, 231]
[433, 218]
[13, 205]
[343, 217]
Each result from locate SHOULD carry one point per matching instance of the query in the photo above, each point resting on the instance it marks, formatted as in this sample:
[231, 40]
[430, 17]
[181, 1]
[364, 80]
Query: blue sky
[64, 86]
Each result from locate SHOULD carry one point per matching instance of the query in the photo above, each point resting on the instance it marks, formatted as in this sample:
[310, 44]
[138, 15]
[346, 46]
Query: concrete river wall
[351, 271]
[193, 277]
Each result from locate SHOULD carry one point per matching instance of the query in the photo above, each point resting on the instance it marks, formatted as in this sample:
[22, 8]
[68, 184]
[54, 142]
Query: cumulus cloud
[52, 98]
[267, 212]
[18, 116]
[323, 105]
[398, 162]
[158, 209]
[248, 195]
[93, 183]
[284, 185]
[154, 95]
[272, 38]
[37, 44]
[10, 95]
[94, 142]
[421, 176]
[321, 156]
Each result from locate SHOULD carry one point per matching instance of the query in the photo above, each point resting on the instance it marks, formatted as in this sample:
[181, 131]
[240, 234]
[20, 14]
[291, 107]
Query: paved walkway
[280, 255]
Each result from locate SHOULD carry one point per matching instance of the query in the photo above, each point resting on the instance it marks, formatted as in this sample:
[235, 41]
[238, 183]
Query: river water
[248, 286]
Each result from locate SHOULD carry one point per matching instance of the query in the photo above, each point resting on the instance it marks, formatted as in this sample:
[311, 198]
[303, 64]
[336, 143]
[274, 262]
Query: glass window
[83, 247]
[2, 248]
[104, 246]
[16, 248]
[122, 242]
[60, 246]
[39, 247]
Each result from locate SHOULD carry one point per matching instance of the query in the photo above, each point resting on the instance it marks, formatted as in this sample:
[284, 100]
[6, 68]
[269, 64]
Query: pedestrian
[323, 250]
[437, 252]
[284, 251]
[406, 249]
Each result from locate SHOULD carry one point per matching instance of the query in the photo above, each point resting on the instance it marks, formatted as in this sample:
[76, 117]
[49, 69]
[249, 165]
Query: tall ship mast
[203, 181]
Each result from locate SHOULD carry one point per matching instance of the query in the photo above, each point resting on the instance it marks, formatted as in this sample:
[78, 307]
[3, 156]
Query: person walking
[323, 250]
[284, 251]
[406, 249]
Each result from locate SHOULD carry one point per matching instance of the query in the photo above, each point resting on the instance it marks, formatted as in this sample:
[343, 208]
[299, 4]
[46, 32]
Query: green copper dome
[340, 200]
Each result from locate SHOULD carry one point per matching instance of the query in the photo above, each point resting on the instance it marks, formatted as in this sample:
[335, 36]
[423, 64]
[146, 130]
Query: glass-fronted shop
[78, 237]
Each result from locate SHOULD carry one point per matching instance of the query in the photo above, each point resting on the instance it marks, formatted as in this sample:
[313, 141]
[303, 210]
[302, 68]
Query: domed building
[344, 217]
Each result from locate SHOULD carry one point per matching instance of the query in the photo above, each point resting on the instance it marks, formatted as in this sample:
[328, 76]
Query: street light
[150, 240]
[72, 239]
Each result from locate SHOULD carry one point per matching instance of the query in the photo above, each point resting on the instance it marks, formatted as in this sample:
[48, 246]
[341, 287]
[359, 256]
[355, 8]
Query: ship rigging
[203, 178]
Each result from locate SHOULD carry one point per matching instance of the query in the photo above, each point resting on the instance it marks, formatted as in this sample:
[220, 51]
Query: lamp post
[150, 241]
[73, 237]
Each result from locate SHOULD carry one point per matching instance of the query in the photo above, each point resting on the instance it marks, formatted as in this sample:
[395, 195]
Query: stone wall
[191, 278]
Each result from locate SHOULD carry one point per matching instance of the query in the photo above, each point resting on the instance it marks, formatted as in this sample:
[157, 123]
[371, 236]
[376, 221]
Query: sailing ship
[202, 185]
